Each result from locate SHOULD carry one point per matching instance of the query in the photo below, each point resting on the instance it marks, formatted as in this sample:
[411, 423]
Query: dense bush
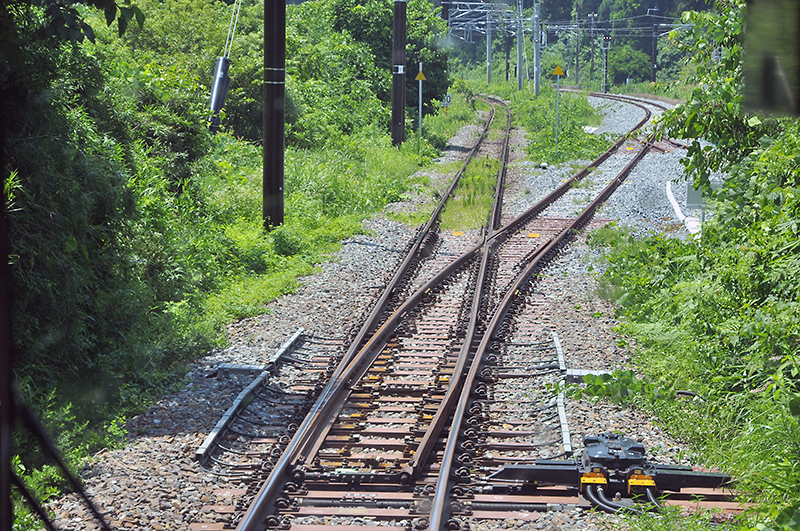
[136, 235]
[719, 316]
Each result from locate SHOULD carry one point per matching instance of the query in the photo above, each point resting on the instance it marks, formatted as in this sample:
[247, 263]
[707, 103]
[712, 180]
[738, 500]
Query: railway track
[408, 424]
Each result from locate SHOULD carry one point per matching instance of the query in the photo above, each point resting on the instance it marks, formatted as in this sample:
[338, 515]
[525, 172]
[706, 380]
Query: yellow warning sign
[558, 71]
[420, 76]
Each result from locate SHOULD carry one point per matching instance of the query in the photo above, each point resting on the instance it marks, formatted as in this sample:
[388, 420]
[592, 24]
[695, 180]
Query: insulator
[219, 90]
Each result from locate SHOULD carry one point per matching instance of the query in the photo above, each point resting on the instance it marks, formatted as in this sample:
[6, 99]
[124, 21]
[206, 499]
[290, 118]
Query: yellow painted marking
[599, 479]
[458, 233]
[533, 235]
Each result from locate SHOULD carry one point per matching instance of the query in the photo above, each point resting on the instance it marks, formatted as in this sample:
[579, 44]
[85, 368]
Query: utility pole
[6, 358]
[508, 55]
[273, 119]
[592, 35]
[655, 51]
[520, 42]
[605, 46]
[399, 73]
[488, 47]
[652, 12]
[537, 38]
[577, 44]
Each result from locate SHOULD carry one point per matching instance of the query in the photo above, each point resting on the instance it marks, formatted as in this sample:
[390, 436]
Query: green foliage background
[718, 316]
[135, 234]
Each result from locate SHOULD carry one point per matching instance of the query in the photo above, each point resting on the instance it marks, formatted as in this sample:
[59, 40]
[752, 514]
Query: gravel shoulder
[154, 483]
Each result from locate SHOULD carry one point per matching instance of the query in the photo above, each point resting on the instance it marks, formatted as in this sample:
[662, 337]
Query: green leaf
[71, 244]
[111, 11]
[126, 12]
[753, 121]
[139, 15]
[794, 406]
[89, 32]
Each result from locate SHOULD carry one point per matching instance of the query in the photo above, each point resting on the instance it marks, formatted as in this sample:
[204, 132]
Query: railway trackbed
[435, 413]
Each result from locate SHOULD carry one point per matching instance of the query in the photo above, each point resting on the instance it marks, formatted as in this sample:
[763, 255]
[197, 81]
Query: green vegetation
[537, 116]
[473, 196]
[135, 234]
[717, 318]
[574, 143]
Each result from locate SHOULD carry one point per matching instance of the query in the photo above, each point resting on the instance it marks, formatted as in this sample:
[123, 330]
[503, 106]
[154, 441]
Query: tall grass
[474, 196]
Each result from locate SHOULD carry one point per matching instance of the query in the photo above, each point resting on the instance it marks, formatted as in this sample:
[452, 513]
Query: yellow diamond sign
[558, 71]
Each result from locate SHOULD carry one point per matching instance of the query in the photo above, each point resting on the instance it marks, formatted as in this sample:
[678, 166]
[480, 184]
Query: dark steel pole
[520, 36]
[399, 73]
[655, 50]
[488, 47]
[591, 41]
[274, 109]
[577, 45]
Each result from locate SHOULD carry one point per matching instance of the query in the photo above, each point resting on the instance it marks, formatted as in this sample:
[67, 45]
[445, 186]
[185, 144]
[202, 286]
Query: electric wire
[237, 7]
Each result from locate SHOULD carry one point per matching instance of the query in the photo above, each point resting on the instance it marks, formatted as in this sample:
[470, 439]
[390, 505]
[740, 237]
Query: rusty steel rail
[351, 364]
[441, 503]
[359, 357]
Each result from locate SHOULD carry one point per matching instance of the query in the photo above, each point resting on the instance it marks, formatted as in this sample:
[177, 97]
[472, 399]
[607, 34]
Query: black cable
[651, 497]
[597, 502]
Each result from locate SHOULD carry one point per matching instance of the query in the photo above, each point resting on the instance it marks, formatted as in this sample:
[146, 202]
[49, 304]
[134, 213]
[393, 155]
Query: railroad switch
[609, 465]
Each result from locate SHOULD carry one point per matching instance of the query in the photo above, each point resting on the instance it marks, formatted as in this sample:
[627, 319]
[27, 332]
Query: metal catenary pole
[592, 18]
[537, 38]
[508, 55]
[652, 12]
[6, 408]
[520, 42]
[655, 51]
[577, 45]
[399, 73]
[274, 110]
[558, 95]
[488, 47]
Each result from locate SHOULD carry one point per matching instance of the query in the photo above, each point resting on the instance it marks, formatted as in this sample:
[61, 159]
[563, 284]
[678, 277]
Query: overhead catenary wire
[237, 7]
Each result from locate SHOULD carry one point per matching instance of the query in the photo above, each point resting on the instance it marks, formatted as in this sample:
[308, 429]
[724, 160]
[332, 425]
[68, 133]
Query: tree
[370, 22]
[624, 62]
[714, 112]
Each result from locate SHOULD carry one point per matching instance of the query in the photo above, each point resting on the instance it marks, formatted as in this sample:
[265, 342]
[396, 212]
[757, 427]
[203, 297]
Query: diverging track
[440, 387]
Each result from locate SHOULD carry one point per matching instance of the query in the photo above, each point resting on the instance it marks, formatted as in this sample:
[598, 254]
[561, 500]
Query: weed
[473, 196]
[620, 386]
[584, 183]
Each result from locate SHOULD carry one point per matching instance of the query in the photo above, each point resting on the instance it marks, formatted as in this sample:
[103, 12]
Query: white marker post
[558, 73]
[420, 77]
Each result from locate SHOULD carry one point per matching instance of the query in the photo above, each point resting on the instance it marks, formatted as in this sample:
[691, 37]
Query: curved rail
[353, 363]
[363, 351]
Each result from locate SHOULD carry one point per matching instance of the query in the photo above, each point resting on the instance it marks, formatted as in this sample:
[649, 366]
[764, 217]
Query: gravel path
[154, 483]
